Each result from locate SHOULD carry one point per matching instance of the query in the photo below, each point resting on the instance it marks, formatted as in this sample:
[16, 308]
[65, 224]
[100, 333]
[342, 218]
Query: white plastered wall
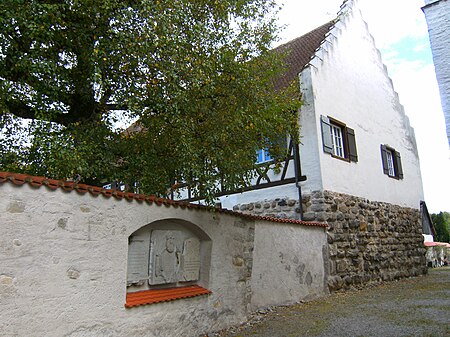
[438, 19]
[63, 265]
[350, 83]
[290, 264]
[310, 141]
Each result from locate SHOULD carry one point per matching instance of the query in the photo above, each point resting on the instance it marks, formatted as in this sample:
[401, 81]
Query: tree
[441, 223]
[197, 75]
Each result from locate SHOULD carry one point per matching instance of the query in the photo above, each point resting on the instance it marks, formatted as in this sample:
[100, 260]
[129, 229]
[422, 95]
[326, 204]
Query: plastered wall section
[310, 140]
[290, 264]
[288, 191]
[63, 267]
[349, 82]
[438, 20]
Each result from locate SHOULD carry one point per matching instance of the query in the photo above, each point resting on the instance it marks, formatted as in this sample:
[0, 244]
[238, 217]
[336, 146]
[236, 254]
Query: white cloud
[390, 21]
[302, 16]
[417, 87]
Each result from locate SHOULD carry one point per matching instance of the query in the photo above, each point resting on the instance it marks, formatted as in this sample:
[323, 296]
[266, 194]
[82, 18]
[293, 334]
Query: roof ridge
[20, 179]
[300, 51]
[306, 34]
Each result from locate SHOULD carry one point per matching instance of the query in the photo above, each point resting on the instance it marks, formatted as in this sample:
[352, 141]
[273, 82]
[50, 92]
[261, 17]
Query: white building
[355, 166]
[359, 166]
[437, 13]
[355, 136]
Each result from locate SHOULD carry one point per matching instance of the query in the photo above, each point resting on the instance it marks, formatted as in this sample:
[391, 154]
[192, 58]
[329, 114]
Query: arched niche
[166, 254]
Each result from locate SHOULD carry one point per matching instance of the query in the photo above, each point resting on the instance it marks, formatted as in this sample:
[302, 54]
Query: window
[392, 163]
[338, 139]
[263, 156]
[115, 185]
[338, 143]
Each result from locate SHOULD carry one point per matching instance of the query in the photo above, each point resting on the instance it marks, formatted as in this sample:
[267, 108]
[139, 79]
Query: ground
[412, 307]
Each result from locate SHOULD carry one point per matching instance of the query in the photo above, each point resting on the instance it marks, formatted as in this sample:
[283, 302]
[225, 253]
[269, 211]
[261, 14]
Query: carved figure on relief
[174, 258]
[166, 257]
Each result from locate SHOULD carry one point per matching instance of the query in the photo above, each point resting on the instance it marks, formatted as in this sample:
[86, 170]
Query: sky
[401, 34]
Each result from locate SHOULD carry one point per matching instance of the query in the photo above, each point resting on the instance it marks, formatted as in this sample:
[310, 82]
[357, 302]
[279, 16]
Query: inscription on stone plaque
[191, 259]
[138, 255]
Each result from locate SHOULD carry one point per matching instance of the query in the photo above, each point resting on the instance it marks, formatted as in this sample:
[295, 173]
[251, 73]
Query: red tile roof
[299, 53]
[434, 244]
[163, 295]
[20, 179]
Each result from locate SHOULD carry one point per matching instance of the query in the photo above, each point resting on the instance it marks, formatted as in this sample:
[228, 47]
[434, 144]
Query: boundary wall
[64, 253]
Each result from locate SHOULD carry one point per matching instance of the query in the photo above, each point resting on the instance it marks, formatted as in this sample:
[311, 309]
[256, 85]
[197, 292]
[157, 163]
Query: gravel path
[413, 307]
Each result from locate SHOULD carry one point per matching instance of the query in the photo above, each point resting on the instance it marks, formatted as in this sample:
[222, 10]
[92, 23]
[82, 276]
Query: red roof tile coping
[434, 244]
[20, 179]
[163, 295]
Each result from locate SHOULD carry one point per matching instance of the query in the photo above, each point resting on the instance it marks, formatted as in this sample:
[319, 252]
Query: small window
[392, 163]
[338, 139]
[263, 156]
[338, 142]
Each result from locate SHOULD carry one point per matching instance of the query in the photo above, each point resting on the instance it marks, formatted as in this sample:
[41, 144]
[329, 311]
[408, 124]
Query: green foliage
[197, 75]
[441, 224]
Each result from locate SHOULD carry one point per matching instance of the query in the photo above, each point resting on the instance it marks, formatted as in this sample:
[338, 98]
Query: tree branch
[22, 110]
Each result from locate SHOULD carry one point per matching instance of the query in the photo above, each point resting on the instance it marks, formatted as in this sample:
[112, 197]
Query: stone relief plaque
[138, 256]
[190, 260]
[165, 259]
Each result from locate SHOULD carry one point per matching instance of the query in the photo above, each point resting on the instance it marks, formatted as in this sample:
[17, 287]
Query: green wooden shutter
[384, 159]
[398, 165]
[326, 135]
[351, 141]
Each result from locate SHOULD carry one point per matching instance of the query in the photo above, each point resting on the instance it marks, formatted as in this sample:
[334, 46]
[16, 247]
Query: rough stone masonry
[368, 241]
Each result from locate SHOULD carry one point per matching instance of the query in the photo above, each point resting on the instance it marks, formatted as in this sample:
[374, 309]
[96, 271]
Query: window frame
[391, 162]
[338, 141]
[265, 156]
[346, 150]
[283, 142]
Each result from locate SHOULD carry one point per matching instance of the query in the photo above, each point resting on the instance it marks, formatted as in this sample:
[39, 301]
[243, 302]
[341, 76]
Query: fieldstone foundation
[368, 241]
[279, 208]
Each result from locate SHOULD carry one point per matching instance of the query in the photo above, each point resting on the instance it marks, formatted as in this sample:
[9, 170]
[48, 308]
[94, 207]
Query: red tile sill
[163, 295]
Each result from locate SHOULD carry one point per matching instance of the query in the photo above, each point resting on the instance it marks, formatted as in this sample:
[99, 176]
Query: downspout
[298, 173]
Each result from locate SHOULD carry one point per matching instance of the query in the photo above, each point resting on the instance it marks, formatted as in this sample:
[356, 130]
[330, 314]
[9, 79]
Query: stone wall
[64, 255]
[63, 266]
[279, 208]
[367, 241]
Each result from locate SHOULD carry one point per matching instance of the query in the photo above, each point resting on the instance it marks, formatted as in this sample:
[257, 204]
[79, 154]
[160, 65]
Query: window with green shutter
[392, 162]
[338, 139]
